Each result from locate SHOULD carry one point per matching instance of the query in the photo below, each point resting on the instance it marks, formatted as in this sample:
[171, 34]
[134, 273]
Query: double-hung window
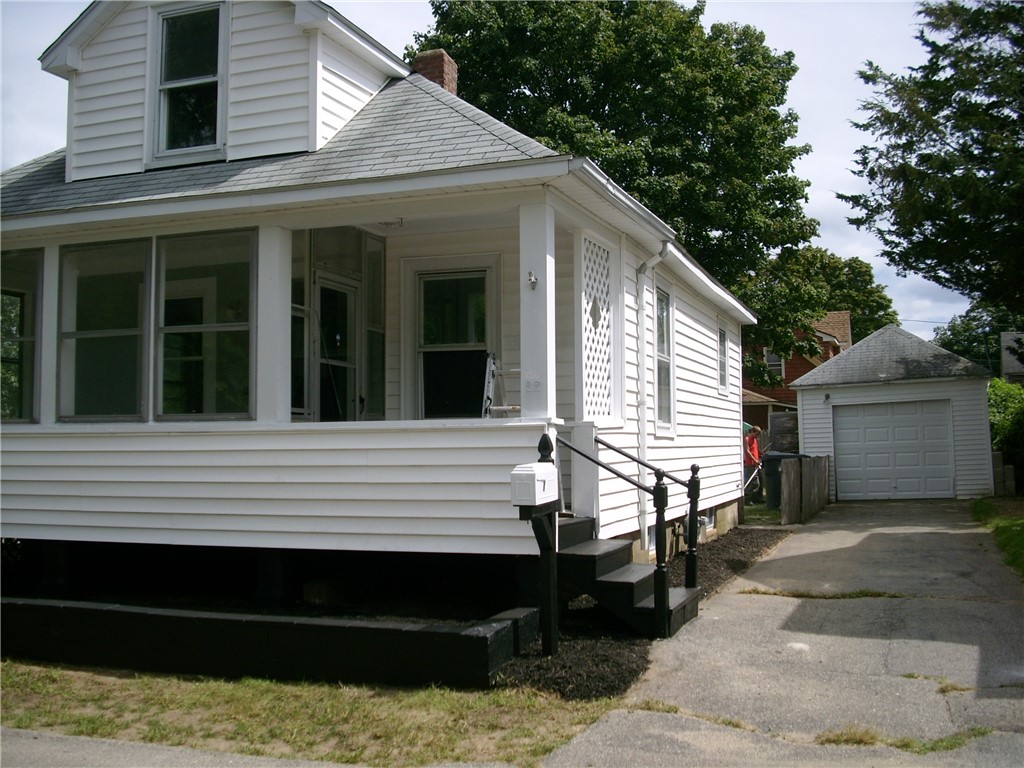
[664, 388]
[189, 83]
[776, 364]
[723, 360]
[452, 342]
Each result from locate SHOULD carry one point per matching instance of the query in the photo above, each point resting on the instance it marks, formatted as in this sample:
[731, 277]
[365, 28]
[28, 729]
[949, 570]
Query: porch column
[272, 325]
[537, 310]
[48, 333]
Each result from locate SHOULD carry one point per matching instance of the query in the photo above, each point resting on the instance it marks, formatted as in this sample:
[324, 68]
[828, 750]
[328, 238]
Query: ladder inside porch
[495, 400]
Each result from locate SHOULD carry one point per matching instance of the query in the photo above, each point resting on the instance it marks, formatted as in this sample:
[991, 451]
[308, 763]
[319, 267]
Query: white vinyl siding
[968, 404]
[707, 424]
[268, 82]
[345, 85]
[402, 487]
[287, 90]
[107, 100]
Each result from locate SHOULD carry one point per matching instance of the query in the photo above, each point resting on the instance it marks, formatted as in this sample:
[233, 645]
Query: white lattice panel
[597, 330]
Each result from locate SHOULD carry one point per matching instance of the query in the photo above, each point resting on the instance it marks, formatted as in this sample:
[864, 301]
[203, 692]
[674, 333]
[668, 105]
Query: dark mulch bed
[597, 657]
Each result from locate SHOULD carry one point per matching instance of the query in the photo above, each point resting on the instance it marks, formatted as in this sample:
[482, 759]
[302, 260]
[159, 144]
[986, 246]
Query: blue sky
[831, 40]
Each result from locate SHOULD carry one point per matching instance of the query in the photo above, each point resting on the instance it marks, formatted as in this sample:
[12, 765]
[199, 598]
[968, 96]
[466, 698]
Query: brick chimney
[437, 66]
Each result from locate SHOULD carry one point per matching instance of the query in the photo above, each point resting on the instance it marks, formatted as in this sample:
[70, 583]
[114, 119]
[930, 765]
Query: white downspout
[641, 405]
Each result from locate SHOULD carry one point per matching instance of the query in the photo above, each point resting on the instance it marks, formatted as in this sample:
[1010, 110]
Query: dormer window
[189, 87]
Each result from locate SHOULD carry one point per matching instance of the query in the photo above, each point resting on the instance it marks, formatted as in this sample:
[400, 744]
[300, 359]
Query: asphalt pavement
[922, 639]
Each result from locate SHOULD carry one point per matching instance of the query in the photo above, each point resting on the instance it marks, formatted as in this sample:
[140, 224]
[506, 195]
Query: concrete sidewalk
[759, 676]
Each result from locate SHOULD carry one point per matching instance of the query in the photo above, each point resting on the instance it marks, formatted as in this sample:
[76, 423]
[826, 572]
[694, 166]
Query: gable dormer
[158, 84]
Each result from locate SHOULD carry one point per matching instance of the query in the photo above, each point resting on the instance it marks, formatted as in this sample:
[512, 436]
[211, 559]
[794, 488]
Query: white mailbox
[534, 484]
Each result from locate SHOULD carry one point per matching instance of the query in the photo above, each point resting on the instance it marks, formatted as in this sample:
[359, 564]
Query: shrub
[1006, 416]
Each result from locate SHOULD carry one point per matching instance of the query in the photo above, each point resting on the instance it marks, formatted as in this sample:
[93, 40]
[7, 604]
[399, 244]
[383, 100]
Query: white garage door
[893, 450]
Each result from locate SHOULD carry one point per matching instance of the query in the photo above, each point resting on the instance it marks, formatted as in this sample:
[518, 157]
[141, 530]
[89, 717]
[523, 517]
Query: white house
[901, 418]
[251, 302]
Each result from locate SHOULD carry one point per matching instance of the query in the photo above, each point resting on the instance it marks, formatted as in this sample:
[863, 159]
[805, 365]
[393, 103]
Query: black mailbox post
[543, 516]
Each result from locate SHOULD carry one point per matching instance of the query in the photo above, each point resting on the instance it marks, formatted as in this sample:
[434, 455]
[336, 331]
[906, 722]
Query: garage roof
[891, 354]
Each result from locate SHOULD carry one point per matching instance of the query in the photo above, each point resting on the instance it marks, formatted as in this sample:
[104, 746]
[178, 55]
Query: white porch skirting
[410, 486]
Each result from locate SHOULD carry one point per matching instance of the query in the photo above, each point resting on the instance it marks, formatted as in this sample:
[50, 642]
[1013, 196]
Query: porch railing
[659, 493]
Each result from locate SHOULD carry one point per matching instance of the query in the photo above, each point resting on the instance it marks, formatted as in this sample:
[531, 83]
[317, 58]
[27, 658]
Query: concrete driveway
[766, 669]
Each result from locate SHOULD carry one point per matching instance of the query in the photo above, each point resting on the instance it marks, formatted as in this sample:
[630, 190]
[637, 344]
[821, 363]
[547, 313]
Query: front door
[338, 396]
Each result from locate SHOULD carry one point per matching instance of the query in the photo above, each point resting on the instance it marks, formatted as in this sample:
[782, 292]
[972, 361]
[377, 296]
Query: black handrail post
[693, 494]
[661, 612]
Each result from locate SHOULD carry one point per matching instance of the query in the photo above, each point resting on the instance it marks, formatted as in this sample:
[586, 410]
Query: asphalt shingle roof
[891, 354]
[412, 126]
[836, 324]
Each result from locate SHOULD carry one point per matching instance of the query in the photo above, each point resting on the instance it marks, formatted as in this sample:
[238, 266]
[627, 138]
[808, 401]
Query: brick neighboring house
[834, 336]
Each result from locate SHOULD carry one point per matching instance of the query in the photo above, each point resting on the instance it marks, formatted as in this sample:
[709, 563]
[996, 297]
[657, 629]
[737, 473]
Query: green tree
[945, 175]
[798, 288]
[1006, 417]
[849, 284]
[975, 334]
[690, 122]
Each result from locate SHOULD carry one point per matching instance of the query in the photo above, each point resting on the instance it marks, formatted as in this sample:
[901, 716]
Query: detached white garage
[901, 418]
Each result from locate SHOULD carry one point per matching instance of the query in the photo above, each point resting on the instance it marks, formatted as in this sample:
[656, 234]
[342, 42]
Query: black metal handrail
[638, 460]
[659, 492]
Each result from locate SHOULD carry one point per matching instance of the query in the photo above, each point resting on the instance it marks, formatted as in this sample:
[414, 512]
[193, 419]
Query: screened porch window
[453, 343]
[19, 287]
[104, 290]
[203, 337]
[157, 327]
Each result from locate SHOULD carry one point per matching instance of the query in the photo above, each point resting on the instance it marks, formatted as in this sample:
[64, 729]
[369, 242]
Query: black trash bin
[771, 470]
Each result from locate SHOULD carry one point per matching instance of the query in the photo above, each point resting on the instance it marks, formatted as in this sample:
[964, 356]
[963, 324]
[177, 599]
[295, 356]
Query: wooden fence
[804, 488]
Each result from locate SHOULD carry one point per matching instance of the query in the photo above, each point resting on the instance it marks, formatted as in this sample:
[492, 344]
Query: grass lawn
[759, 514]
[1004, 515]
[337, 723]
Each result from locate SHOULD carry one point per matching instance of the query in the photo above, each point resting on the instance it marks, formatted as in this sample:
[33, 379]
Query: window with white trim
[452, 342]
[663, 392]
[723, 360]
[776, 364]
[189, 84]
